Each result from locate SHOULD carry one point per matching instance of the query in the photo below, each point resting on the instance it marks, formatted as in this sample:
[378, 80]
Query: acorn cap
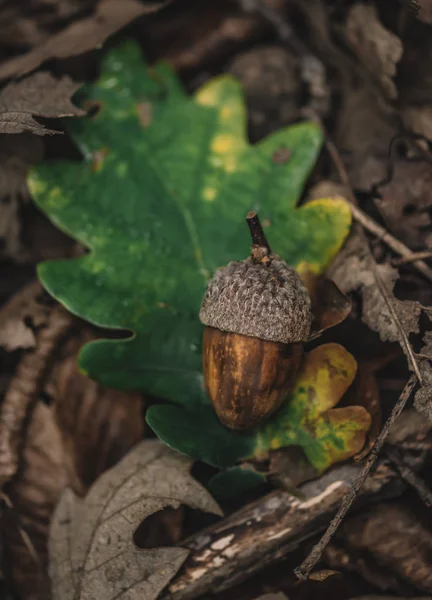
[268, 301]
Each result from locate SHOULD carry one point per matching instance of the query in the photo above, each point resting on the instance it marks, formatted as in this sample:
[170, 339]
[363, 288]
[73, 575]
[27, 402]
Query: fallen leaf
[307, 419]
[272, 596]
[405, 203]
[424, 8]
[329, 305]
[378, 49]
[40, 95]
[82, 35]
[394, 539]
[380, 597]
[90, 416]
[34, 494]
[352, 270]
[423, 396]
[322, 574]
[365, 392]
[24, 311]
[199, 175]
[418, 119]
[92, 552]
[270, 79]
[17, 152]
[363, 133]
[289, 467]
[25, 24]
[203, 34]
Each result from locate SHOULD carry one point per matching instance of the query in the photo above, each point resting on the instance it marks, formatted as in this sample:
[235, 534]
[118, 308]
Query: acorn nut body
[257, 314]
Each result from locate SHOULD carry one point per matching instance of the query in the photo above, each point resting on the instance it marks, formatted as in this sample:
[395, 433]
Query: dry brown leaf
[378, 49]
[405, 203]
[394, 540]
[40, 95]
[17, 152]
[81, 36]
[92, 552]
[423, 397]
[365, 392]
[91, 416]
[24, 311]
[272, 86]
[272, 596]
[373, 597]
[29, 22]
[418, 119]
[203, 34]
[365, 128]
[424, 8]
[352, 270]
[34, 494]
[322, 574]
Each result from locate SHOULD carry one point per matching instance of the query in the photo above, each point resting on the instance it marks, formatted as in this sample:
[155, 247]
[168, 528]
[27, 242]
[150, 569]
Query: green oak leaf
[307, 419]
[160, 201]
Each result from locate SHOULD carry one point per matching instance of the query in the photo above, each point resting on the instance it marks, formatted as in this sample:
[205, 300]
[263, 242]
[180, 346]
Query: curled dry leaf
[34, 494]
[365, 392]
[424, 10]
[91, 416]
[40, 95]
[330, 306]
[203, 34]
[352, 270]
[405, 202]
[272, 596]
[18, 318]
[17, 152]
[395, 539]
[91, 545]
[82, 35]
[423, 397]
[270, 79]
[365, 128]
[376, 47]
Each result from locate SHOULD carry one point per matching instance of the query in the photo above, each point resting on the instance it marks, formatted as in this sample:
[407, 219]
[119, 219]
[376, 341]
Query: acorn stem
[261, 250]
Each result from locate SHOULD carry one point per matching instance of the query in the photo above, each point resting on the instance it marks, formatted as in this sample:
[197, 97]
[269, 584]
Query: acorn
[257, 314]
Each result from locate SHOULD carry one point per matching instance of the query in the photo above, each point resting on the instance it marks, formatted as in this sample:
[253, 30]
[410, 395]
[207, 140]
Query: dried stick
[239, 546]
[398, 262]
[307, 565]
[23, 388]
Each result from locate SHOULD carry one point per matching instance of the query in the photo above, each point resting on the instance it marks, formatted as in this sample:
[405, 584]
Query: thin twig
[414, 257]
[307, 565]
[409, 476]
[367, 222]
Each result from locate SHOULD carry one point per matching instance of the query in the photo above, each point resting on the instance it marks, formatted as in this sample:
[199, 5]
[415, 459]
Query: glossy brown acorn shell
[247, 378]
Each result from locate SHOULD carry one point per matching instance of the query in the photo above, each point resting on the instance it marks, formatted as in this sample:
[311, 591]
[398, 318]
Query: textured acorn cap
[267, 301]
